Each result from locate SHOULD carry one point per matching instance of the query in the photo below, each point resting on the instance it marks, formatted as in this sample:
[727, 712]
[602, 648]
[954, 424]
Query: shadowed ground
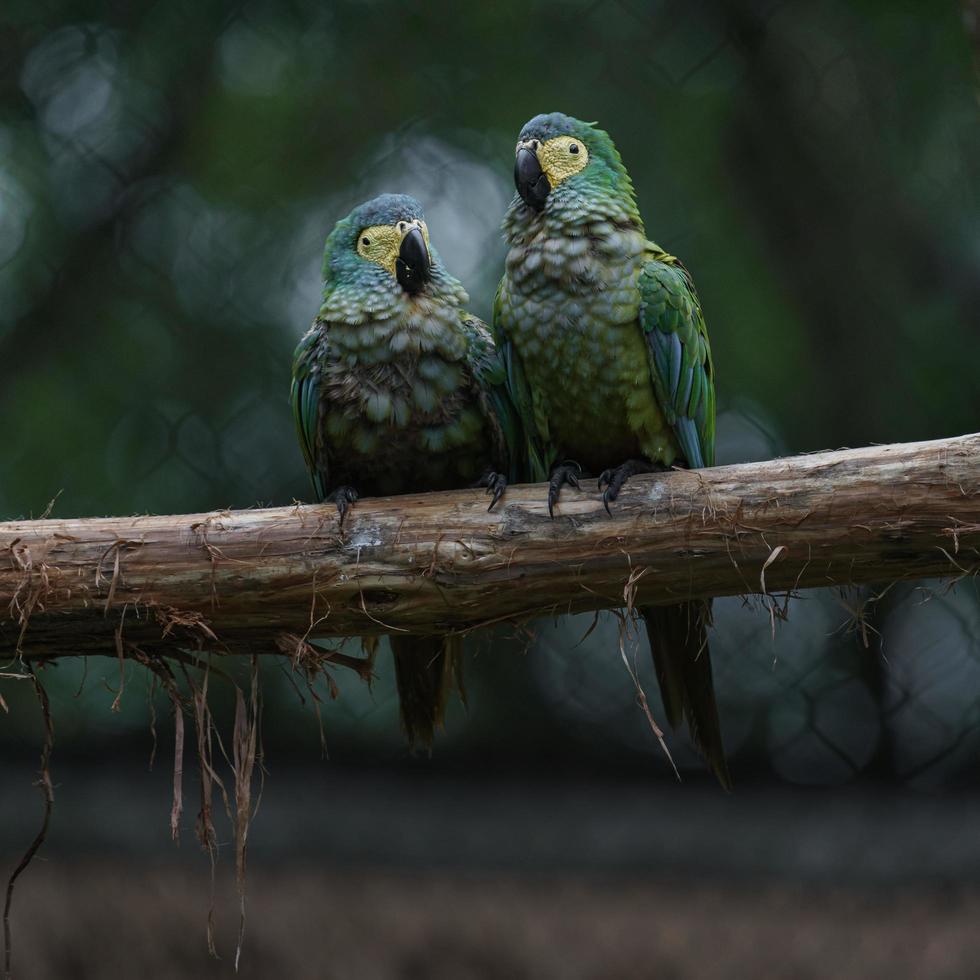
[87, 920]
[361, 874]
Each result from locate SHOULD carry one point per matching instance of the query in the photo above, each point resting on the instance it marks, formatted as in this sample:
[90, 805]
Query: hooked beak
[532, 184]
[413, 267]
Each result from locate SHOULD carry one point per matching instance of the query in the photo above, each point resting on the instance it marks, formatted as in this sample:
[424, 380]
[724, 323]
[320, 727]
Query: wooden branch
[261, 579]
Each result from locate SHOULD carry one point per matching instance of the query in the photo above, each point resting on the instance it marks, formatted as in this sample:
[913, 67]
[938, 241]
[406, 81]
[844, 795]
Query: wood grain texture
[242, 581]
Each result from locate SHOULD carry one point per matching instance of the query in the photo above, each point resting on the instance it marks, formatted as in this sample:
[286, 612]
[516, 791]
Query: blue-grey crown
[386, 209]
[549, 125]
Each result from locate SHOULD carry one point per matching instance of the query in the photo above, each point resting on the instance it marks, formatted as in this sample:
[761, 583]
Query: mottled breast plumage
[388, 383]
[569, 303]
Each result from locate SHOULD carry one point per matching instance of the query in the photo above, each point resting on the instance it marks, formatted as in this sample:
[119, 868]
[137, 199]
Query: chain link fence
[167, 177]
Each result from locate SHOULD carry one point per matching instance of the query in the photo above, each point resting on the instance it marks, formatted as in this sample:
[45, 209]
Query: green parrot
[397, 389]
[608, 363]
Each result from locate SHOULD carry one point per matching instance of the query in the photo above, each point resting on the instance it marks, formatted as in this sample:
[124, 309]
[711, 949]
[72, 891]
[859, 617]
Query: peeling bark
[238, 581]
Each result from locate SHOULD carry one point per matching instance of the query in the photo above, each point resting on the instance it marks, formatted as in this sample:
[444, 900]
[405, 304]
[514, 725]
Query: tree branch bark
[431, 562]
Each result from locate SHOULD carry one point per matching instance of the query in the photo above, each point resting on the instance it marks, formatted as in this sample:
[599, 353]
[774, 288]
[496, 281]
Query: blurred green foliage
[168, 172]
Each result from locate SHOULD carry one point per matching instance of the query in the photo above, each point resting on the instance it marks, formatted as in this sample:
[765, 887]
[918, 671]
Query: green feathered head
[567, 168]
[382, 250]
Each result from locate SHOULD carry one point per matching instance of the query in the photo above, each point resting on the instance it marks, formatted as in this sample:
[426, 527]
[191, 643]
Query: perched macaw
[608, 362]
[397, 389]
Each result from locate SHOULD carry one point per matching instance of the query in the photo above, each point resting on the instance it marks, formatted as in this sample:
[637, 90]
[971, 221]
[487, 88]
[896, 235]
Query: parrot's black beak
[532, 184]
[413, 266]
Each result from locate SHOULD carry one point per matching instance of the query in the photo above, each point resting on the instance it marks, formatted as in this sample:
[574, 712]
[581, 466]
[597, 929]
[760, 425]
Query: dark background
[167, 175]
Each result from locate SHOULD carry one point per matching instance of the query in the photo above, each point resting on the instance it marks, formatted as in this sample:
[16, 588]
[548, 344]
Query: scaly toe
[552, 500]
[568, 472]
[344, 498]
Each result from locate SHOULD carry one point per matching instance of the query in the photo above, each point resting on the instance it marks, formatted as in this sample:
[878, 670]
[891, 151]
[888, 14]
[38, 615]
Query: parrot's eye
[573, 148]
[365, 241]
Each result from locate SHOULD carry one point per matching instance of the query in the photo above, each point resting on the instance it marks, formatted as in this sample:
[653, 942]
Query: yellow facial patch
[562, 157]
[380, 243]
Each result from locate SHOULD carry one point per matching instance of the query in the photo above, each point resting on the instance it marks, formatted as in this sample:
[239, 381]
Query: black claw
[567, 472]
[615, 479]
[343, 497]
[611, 492]
[495, 484]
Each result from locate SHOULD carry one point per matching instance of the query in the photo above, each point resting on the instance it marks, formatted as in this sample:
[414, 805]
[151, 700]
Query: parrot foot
[567, 472]
[343, 497]
[495, 483]
[615, 479]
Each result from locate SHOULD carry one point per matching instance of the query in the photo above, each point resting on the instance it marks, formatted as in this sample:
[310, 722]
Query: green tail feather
[427, 669]
[679, 643]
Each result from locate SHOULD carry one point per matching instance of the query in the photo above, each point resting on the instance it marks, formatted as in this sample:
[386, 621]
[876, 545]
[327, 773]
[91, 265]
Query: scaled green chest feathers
[400, 406]
[570, 303]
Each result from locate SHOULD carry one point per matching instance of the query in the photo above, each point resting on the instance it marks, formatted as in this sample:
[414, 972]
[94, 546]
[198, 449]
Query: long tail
[679, 643]
[427, 669]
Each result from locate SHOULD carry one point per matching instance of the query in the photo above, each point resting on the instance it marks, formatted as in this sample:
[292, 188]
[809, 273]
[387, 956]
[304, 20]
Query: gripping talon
[568, 472]
[495, 484]
[615, 479]
[343, 497]
[497, 487]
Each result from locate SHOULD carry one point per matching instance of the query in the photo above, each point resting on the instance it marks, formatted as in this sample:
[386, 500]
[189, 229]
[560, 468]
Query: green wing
[304, 395]
[679, 355]
[488, 368]
[535, 456]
